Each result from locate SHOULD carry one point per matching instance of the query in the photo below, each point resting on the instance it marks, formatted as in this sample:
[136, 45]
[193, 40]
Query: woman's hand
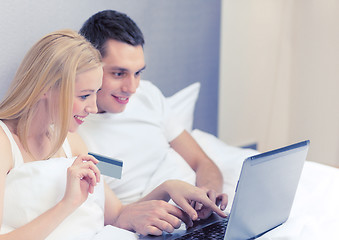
[82, 177]
[189, 197]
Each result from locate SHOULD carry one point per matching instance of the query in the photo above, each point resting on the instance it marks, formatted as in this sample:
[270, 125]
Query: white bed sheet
[315, 211]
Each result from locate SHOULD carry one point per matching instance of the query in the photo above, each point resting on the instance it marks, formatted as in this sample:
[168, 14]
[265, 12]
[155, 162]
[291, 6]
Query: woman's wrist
[66, 206]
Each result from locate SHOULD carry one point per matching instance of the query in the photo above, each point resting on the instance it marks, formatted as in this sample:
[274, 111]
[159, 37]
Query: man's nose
[130, 85]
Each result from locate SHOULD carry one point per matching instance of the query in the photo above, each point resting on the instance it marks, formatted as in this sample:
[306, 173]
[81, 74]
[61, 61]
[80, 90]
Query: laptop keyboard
[214, 231]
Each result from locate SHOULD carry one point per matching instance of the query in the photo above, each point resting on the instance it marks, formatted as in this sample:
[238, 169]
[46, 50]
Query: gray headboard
[182, 41]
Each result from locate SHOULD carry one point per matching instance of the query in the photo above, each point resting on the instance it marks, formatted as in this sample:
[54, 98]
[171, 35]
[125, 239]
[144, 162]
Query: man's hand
[208, 176]
[220, 199]
[190, 198]
[152, 217]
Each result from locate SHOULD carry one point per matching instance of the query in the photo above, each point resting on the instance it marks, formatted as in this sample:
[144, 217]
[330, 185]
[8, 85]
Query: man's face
[123, 64]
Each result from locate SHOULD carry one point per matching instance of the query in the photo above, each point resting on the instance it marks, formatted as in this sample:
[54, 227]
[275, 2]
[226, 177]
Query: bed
[314, 214]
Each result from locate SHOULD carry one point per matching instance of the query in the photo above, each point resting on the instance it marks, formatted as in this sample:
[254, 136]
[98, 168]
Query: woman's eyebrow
[88, 90]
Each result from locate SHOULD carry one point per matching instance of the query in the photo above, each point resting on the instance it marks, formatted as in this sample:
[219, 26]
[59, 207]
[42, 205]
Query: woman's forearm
[42, 226]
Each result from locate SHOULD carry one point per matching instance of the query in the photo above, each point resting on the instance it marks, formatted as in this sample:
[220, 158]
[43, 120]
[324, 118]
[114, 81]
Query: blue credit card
[108, 166]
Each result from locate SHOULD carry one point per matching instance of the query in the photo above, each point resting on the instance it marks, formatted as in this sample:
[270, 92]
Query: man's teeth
[80, 118]
[122, 98]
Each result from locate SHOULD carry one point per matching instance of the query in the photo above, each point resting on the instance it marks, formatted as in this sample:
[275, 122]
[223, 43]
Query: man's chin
[114, 110]
[120, 110]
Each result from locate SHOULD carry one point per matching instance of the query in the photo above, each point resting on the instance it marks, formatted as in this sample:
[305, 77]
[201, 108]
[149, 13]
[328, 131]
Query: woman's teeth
[80, 118]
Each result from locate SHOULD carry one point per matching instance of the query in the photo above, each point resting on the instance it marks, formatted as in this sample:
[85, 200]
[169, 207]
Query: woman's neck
[38, 139]
[38, 135]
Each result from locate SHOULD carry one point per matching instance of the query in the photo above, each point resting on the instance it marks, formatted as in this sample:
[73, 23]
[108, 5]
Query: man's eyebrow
[142, 69]
[117, 68]
[124, 69]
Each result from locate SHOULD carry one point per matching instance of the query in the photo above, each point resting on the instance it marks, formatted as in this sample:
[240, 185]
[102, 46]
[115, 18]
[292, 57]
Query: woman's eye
[84, 97]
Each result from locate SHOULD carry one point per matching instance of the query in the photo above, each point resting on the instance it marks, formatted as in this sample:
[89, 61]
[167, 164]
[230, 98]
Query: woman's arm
[41, 226]
[6, 163]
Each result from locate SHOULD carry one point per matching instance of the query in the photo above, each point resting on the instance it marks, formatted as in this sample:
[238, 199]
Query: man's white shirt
[139, 136]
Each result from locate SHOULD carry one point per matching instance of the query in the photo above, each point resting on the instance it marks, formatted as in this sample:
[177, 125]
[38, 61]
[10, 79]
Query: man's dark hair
[110, 24]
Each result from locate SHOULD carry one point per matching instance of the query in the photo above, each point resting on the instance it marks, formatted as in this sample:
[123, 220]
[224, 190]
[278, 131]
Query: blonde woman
[45, 192]
[53, 90]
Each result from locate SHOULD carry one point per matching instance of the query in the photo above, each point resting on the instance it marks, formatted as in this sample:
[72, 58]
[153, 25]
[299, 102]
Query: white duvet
[315, 212]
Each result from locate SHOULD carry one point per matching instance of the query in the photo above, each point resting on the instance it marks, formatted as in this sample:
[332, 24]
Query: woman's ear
[46, 95]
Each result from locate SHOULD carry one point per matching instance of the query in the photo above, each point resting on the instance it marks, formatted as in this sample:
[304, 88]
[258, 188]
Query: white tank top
[17, 156]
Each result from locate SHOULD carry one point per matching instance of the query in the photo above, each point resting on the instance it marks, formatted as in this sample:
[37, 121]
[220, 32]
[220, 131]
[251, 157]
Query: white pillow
[183, 104]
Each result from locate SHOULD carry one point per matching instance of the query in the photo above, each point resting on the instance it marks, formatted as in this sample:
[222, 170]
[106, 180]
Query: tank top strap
[17, 156]
[67, 148]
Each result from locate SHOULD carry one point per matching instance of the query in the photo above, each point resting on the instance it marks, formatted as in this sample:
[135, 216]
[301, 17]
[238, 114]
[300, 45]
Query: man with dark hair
[110, 24]
[120, 43]
[139, 129]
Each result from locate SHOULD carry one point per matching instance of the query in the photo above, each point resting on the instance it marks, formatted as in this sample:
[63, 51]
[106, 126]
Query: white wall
[315, 78]
[182, 41]
[279, 75]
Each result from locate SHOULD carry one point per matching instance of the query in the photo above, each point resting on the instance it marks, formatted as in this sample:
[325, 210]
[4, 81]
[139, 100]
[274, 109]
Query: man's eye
[118, 74]
[138, 73]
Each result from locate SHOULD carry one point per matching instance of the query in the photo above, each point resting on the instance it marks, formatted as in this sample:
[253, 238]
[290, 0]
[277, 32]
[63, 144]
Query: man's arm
[208, 175]
[152, 214]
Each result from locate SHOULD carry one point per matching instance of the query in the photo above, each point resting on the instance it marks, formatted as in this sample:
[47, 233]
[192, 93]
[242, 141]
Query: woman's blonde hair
[51, 64]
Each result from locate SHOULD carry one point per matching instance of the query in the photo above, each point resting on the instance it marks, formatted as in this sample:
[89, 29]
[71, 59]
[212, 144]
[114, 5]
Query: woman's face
[87, 85]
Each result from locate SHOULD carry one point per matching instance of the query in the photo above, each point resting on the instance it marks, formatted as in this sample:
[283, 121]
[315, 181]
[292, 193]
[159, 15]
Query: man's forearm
[209, 176]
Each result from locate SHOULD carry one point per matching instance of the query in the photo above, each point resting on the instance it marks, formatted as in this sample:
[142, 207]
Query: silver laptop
[263, 199]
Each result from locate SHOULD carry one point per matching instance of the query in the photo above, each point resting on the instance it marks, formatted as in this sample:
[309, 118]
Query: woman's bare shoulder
[6, 160]
[78, 146]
